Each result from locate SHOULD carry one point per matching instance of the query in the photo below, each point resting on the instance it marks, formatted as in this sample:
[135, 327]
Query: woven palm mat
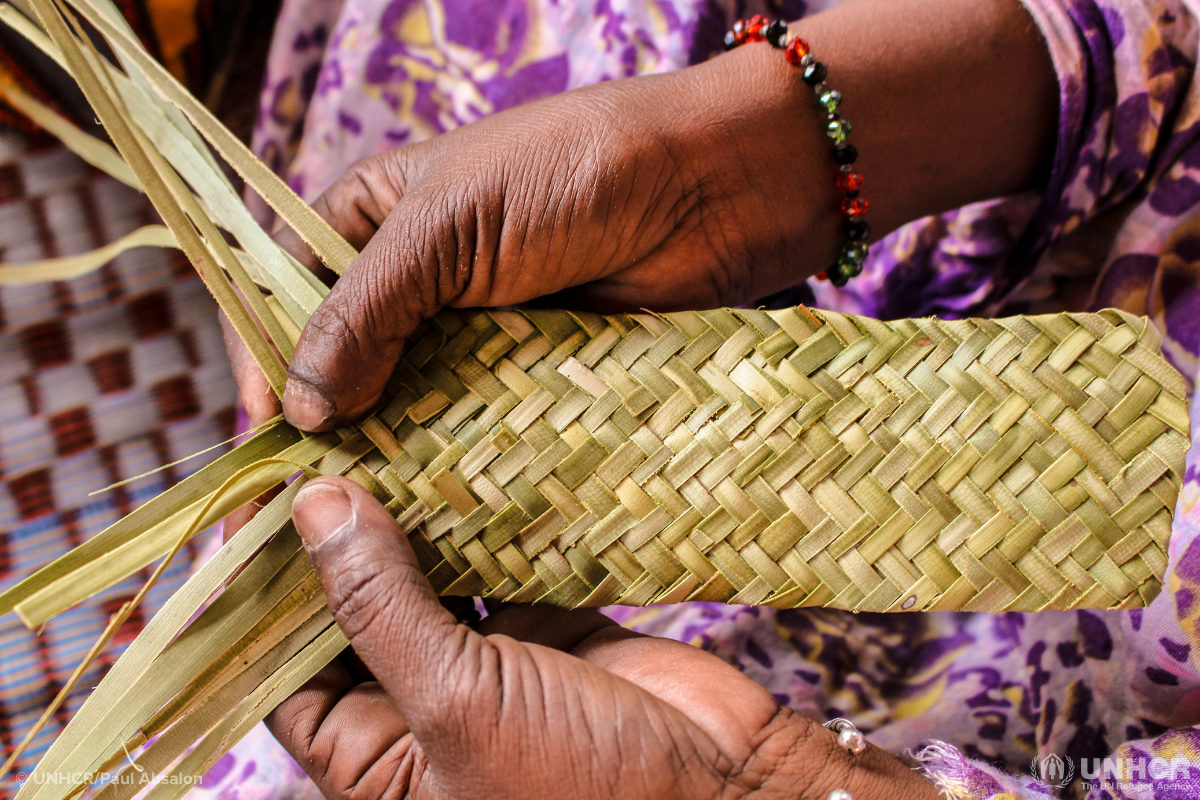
[785, 458]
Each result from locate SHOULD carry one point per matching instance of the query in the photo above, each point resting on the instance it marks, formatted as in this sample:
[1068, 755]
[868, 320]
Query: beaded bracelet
[797, 51]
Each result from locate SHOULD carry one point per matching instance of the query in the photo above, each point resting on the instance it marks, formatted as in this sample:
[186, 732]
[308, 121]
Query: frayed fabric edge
[945, 767]
[958, 777]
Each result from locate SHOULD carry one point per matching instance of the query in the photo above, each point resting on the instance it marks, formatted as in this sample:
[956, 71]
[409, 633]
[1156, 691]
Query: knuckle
[471, 693]
[439, 267]
[292, 723]
[787, 745]
[461, 697]
[335, 318]
[397, 167]
[328, 332]
[361, 597]
[378, 303]
[370, 192]
[300, 746]
[358, 320]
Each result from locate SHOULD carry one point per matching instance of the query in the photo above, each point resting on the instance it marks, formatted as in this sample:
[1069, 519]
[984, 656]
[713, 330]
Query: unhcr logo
[1128, 774]
[1053, 770]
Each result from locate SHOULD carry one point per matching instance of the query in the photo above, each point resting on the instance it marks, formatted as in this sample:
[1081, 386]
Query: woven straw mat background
[101, 379]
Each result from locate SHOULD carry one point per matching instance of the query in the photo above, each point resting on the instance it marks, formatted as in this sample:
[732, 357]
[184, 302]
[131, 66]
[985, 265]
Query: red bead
[739, 31]
[854, 206]
[796, 50]
[821, 276]
[756, 27]
[850, 181]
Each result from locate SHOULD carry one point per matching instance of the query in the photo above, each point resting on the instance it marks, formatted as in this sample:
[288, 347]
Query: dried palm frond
[786, 458]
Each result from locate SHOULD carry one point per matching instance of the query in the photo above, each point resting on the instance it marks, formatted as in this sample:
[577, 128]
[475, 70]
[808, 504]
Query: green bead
[831, 100]
[848, 267]
[849, 264]
[855, 252]
[838, 129]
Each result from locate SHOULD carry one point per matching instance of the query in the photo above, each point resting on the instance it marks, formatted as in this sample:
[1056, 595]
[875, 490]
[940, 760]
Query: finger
[463, 609]
[355, 206]
[258, 398]
[650, 288]
[261, 404]
[238, 518]
[726, 704]
[383, 603]
[351, 344]
[345, 734]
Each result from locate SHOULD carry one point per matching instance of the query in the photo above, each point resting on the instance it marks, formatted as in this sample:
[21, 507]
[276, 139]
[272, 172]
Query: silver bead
[848, 736]
[847, 168]
[852, 739]
[808, 59]
[819, 90]
[840, 794]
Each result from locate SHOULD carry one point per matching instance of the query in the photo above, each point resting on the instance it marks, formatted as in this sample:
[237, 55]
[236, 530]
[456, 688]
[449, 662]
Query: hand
[643, 193]
[708, 186]
[539, 702]
[663, 192]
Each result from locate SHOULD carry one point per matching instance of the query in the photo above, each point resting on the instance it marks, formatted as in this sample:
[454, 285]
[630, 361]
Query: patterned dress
[1108, 703]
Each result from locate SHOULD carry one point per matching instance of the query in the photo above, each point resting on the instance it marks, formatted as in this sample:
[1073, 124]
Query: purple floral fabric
[356, 77]
[1103, 705]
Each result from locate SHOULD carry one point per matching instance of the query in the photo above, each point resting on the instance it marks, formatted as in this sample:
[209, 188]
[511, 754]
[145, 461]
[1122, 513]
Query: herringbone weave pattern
[785, 458]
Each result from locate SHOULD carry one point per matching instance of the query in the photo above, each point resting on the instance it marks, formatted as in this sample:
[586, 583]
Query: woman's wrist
[754, 124]
[952, 103]
[798, 52]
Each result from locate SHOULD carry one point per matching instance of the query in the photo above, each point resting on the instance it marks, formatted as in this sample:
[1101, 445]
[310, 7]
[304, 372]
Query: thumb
[351, 344]
[381, 600]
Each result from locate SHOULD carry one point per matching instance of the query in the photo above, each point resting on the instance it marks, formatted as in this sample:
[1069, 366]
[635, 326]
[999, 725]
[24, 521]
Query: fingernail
[304, 406]
[320, 511]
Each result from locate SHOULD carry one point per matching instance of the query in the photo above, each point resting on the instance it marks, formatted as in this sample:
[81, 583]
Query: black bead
[836, 277]
[730, 42]
[852, 194]
[845, 155]
[814, 73]
[857, 230]
[775, 33]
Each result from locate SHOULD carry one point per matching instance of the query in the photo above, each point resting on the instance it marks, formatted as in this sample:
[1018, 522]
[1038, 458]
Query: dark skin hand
[708, 186]
[538, 702]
